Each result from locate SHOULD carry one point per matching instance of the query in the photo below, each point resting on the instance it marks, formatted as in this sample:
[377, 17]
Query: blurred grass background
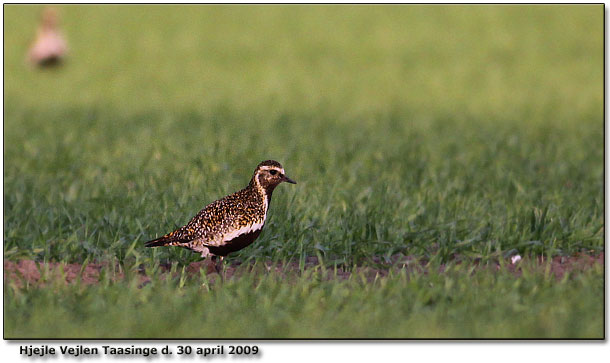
[344, 62]
[431, 131]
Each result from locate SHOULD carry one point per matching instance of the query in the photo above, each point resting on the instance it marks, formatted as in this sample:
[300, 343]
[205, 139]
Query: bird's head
[269, 174]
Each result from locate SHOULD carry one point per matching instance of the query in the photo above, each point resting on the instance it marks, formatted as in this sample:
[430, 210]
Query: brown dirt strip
[28, 272]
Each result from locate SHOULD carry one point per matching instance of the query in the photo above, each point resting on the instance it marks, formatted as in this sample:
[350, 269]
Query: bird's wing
[207, 227]
[216, 224]
[231, 218]
[198, 229]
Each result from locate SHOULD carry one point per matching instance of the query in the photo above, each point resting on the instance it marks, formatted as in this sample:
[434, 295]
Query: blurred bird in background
[50, 46]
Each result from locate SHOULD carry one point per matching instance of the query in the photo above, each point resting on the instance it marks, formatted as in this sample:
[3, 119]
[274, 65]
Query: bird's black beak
[288, 180]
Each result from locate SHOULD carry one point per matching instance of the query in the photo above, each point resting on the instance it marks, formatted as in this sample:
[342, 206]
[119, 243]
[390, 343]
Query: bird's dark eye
[273, 172]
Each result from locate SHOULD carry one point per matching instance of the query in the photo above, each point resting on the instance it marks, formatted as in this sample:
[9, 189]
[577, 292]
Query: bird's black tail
[161, 241]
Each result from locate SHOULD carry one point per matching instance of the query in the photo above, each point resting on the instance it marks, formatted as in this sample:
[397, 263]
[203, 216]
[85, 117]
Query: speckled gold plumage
[230, 223]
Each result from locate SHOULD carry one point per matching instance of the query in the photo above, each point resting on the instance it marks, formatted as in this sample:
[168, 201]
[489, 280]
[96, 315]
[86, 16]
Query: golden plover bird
[50, 47]
[231, 223]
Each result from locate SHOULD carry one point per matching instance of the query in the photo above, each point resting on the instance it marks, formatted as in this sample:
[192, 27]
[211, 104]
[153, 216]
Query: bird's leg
[219, 264]
[208, 260]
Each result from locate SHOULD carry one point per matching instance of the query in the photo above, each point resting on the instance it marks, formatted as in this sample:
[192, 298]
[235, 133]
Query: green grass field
[454, 304]
[432, 131]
